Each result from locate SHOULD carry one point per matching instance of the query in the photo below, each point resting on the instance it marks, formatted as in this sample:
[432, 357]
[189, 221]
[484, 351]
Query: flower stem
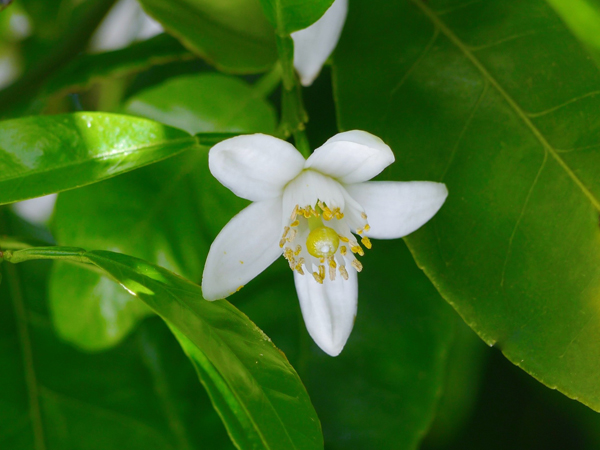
[293, 114]
[268, 82]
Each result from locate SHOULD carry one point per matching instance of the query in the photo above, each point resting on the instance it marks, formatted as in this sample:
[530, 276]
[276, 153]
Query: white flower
[313, 45]
[317, 212]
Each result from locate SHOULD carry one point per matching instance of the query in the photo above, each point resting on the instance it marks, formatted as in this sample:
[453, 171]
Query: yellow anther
[344, 238]
[357, 249]
[298, 250]
[359, 231]
[286, 230]
[343, 272]
[307, 212]
[239, 289]
[357, 265]
[301, 261]
[282, 243]
[338, 214]
[343, 250]
[322, 242]
[366, 242]
[332, 262]
[288, 254]
[322, 272]
[367, 227]
[322, 260]
[327, 214]
[318, 279]
[299, 269]
[363, 215]
[295, 223]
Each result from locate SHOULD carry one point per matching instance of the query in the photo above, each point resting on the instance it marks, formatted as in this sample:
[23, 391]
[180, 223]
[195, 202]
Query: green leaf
[382, 391]
[45, 154]
[288, 16]
[257, 393]
[497, 100]
[89, 68]
[142, 394]
[234, 36]
[253, 387]
[206, 102]
[159, 207]
[583, 18]
[4, 4]
[171, 210]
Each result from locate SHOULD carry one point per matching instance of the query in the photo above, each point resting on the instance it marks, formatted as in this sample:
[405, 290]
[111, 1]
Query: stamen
[357, 249]
[295, 223]
[292, 235]
[344, 238]
[299, 269]
[282, 243]
[343, 250]
[298, 250]
[307, 212]
[357, 265]
[363, 215]
[286, 230]
[332, 262]
[322, 272]
[294, 212]
[367, 227]
[343, 272]
[366, 242]
[332, 273]
[318, 279]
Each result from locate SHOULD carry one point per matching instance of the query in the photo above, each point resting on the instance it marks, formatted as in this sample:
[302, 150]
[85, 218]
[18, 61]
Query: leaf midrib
[444, 29]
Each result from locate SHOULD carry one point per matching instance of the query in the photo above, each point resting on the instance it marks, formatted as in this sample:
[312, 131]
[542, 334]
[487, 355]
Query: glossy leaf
[142, 394]
[382, 391]
[252, 385]
[45, 154]
[205, 102]
[89, 68]
[498, 100]
[288, 16]
[234, 36]
[170, 210]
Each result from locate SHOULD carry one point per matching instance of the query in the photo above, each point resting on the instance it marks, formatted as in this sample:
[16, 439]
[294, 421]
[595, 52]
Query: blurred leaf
[158, 206]
[205, 102]
[498, 100]
[462, 385]
[143, 394]
[583, 18]
[66, 36]
[293, 15]
[234, 36]
[381, 392]
[45, 154]
[171, 211]
[89, 68]
[4, 4]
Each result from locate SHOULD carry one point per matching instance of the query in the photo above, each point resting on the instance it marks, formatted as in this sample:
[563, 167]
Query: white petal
[351, 157]
[245, 247]
[255, 167]
[329, 309]
[395, 209]
[313, 45]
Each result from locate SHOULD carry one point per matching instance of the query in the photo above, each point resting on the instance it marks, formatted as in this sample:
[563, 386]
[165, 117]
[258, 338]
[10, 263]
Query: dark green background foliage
[105, 339]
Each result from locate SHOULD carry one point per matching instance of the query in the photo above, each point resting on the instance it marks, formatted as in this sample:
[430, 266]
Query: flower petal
[395, 209]
[245, 247]
[351, 157]
[313, 45]
[255, 167]
[329, 309]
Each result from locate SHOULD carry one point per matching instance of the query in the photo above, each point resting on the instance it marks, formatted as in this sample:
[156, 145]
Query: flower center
[322, 242]
[319, 238]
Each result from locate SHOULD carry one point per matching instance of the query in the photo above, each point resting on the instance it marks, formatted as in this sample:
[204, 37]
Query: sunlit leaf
[293, 15]
[44, 154]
